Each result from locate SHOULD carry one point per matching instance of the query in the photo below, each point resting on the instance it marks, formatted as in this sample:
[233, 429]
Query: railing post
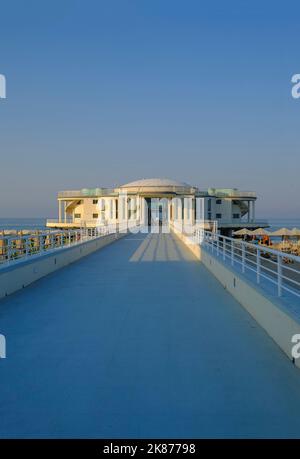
[279, 274]
[8, 250]
[243, 257]
[26, 247]
[224, 249]
[232, 252]
[258, 265]
[217, 245]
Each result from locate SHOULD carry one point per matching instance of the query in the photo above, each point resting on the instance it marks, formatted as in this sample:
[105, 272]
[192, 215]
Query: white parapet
[18, 275]
[268, 310]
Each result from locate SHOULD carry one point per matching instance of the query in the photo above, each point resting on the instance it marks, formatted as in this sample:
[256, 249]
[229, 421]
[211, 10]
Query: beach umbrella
[243, 232]
[296, 232]
[260, 232]
[282, 232]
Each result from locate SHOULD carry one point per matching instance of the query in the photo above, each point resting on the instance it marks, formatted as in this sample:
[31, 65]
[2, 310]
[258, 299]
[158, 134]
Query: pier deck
[139, 340]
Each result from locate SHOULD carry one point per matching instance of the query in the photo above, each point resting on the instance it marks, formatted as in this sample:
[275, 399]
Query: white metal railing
[278, 268]
[14, 248]
[232, 193]
[96, 223]
[94, 192]
[74, 222]
[63, 220]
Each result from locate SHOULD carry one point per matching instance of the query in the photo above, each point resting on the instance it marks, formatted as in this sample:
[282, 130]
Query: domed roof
[155, 182]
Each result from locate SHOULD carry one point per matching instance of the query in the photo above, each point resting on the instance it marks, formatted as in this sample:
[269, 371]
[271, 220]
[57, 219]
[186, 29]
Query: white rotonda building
[155, 202]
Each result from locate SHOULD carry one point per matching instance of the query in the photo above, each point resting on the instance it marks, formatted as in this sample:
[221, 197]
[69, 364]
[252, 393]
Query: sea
[40, 223]
[22, 223]
[276, 223]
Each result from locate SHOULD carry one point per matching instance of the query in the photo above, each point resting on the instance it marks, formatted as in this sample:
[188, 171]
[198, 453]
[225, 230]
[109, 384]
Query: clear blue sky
[103, 92]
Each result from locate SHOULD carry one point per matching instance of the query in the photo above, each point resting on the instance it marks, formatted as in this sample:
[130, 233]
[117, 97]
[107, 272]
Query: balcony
[69, 223]
[231, 193]
[86, 193]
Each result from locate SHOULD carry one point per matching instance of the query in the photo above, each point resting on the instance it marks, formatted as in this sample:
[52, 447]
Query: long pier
[138, 339]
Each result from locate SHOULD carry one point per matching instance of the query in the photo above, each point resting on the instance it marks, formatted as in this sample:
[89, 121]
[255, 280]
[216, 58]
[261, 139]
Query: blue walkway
[139, 340]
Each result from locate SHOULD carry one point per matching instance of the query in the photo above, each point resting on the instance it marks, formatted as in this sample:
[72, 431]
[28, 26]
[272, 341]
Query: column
[59, 210]
[144, 212]
[253, 211]
[123, 212]
[200, 209]
[169, 210]
[114, 209]
[193, 211]
[137, 215]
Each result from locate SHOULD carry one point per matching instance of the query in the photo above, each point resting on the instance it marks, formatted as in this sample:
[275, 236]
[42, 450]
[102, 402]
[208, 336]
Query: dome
[155, 182]
[158, 185]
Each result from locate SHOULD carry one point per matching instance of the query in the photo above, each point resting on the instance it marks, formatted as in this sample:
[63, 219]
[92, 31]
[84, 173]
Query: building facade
[151, 202]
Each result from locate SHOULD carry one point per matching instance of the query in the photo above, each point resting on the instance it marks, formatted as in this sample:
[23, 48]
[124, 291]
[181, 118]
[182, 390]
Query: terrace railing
[267, 266]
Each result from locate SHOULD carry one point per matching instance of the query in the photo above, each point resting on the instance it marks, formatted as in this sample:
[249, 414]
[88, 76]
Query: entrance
[149, 213]
[156, 213]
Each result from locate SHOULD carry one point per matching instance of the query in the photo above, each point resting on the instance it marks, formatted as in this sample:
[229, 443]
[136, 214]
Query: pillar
[249, 211]
[59, 210]
[253, 211]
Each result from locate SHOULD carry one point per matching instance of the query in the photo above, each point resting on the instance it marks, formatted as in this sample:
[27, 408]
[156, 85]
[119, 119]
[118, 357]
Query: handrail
[266, 263]
[231, 193]
[86, 193]
[14, 248]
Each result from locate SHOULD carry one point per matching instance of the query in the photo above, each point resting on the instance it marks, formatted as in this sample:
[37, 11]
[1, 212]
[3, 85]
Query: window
[218, 201]
[218, 215]
[236, 215]
[77, 215]
[95, 201]
[95, 215]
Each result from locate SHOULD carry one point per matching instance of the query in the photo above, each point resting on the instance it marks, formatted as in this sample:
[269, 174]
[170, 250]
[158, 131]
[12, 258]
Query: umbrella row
[262, 232]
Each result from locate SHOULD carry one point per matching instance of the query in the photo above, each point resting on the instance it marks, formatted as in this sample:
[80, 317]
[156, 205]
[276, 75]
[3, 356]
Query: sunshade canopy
[282, 232]
[260, 232]
[243, 232]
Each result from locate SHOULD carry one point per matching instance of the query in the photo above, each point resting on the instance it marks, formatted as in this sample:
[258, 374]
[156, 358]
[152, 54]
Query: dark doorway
[148, 202]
